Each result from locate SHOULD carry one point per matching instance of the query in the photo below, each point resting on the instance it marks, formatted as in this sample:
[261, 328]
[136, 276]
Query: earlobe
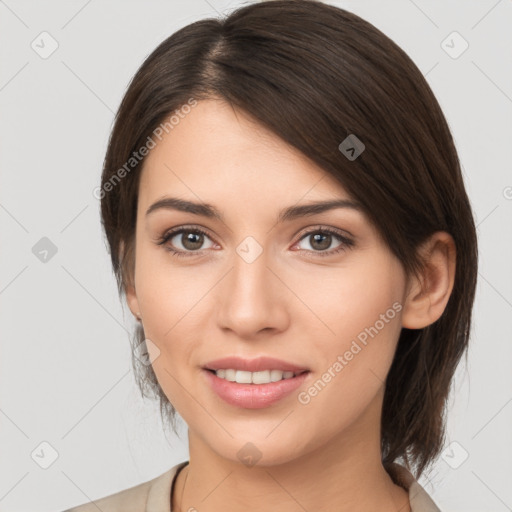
[428, 293]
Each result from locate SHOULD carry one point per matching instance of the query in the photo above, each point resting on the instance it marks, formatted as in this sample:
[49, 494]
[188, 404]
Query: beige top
[155, 495]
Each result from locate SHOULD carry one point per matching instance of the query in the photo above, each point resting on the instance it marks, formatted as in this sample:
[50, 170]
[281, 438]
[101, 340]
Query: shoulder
[153, 494]
[419, 499]
[130, 499]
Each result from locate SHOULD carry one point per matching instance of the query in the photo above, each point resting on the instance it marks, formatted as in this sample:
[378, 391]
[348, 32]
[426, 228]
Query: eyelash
[346, 243]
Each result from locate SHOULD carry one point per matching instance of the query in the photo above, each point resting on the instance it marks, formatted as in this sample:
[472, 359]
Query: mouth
[253, 390]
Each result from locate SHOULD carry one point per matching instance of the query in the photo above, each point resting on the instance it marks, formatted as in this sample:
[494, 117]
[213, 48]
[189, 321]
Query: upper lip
[254, 365]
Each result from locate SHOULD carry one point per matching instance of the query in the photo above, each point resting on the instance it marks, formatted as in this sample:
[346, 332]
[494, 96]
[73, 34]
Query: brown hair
[313, 74]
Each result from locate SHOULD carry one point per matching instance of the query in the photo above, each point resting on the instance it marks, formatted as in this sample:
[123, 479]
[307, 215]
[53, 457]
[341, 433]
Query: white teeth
[263, 377]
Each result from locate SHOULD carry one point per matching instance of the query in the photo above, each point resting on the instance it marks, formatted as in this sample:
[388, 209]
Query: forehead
[218, 152]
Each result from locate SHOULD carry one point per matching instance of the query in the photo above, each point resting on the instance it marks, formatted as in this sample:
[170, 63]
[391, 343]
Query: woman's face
[260, 285]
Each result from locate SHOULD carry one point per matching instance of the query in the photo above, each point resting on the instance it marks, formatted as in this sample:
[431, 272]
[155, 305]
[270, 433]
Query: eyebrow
[290, 213]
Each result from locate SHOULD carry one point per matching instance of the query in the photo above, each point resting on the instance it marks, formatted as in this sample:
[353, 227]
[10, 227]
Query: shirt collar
[159, 495]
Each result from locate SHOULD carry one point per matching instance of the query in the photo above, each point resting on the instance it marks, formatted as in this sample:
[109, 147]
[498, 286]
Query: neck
[345, 474]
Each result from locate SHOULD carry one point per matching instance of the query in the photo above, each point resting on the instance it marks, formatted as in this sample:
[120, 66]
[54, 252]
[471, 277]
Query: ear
[133, 303]
[428, 294]
[130, 292]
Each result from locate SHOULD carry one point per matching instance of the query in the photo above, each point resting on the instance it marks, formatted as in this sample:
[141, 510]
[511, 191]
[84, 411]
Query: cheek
[168, 300]
[371, 320]
[352, 376]
[176, 304]
[340, 303]
[361, 320]
[168, 293]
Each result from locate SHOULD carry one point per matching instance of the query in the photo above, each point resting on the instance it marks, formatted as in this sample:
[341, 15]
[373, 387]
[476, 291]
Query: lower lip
[253, 396]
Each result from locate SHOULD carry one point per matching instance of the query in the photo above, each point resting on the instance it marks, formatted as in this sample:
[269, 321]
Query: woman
[287, 221]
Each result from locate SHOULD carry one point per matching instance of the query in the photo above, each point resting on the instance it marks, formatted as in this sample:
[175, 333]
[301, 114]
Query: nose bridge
[250, 300]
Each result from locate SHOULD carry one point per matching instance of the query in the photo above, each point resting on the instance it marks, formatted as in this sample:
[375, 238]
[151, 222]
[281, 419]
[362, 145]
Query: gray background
[65, 374]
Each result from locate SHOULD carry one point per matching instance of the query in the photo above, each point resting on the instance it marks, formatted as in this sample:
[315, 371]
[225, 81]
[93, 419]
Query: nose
[252, 298]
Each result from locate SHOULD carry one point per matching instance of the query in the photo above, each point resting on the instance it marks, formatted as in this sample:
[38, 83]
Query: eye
[190, 239]
[321, 238]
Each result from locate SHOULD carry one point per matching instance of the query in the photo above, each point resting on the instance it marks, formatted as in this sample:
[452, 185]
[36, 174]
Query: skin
[294, 305]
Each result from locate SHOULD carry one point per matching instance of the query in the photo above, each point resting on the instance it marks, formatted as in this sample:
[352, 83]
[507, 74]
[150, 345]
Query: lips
[254, 396]
[254, 365]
